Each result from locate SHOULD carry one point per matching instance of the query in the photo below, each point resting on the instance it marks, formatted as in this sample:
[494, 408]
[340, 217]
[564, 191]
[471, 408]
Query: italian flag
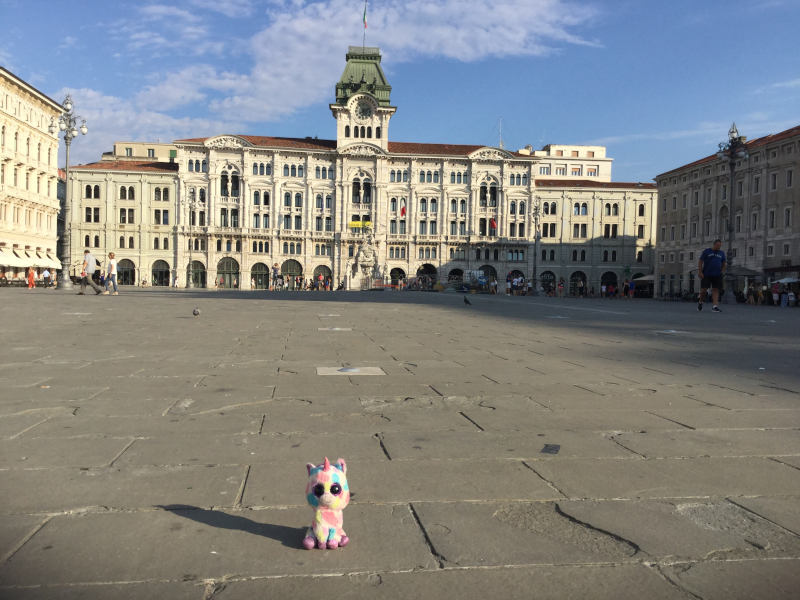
[365, 14]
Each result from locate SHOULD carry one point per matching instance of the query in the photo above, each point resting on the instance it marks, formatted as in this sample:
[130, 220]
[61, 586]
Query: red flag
[492, 224]
[403, 210]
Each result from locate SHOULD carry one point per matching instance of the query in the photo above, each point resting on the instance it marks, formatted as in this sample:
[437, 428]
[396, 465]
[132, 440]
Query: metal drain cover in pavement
[350, 371]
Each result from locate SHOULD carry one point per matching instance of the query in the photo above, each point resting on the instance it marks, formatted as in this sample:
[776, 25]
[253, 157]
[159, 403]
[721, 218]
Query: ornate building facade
[29, 204]
[695, 206]
[226, 209]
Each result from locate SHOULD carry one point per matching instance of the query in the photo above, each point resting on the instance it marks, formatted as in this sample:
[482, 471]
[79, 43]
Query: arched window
[287, 200]
[324, 172]
[268, 169]
[452, 176]
[355, 131]
[328, 201]
[584, 208]
[294, 170]
[130, 242]
[434, 205]
[286, 247]
[165, 245]
[583, 255]
[155, 243]
[391, 176]
[493, 194]
[546, 208]
[511, 179]
[369, 132]
[300, 170]
[122, 241]
[165, 195]
[363, 131]
[513, 208]
[285, 170]
[318, 172]
[574, 256]
[605, 255]
[436, 177]
[429, 177]
[88, 192]
[552, 208]
[524, 179]
[205, 166]
[639, 256]
[607, 209]
[123, 193]
[458, 178]
[522, 208]
[255, 168]
[576, 209]
[613, 256]
[202, 194]
[347, 131]
[393, 205]
[356, 190]
[298, 200]
[319, 201]
[86, 241]
[423, 205]
[256, 198]
[378, 132]
[405, 176]
[261, 168]
[483, 194]
[641, 210]
[496, 254]
[615, 209]
[255, 246]
[463, 206]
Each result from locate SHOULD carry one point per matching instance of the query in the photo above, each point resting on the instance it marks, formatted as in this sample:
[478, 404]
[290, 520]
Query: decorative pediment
[226, 142]
[487, 153]
[361, 149]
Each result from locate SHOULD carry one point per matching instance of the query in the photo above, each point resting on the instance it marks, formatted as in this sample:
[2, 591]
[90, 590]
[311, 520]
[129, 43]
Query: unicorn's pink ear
[342, 465]
[310, 466]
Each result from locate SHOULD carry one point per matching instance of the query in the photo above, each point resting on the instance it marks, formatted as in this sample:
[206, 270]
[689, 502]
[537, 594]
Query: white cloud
[111, 119]
[229, 8]
[406, 30]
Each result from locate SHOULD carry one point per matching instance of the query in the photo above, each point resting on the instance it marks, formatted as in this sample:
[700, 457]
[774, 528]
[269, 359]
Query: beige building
[694, 207]
[233, 206]
[28, 179]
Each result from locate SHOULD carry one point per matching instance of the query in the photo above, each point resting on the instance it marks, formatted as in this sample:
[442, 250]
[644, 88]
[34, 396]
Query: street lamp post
[537, 238]
[735, 149]
[192, 215]
[68, 123]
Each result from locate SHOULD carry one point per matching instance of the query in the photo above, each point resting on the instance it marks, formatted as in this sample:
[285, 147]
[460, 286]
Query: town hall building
[223, 210]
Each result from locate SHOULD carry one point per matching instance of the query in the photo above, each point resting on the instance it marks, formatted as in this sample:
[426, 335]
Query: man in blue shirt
[710, 269]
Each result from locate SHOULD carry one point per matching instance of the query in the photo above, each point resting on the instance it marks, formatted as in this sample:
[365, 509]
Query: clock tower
[362, 109]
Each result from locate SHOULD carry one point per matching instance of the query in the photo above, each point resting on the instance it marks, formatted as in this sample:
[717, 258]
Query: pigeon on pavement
[467, 302]
[196, 312]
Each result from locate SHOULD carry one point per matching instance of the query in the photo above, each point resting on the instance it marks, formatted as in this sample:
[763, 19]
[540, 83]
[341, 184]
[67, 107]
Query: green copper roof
[363, 73]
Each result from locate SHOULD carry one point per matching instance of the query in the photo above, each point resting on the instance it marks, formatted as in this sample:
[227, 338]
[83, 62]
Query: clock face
[363, 110]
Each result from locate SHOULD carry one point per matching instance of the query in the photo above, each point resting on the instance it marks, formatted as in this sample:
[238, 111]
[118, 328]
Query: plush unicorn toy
[328, 494]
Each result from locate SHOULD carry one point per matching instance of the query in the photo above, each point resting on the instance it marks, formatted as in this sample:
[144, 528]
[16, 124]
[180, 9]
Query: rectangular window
[256, 221]
[128, 151]
[328, 224]
[683, 232]
[773, 181]
[88, 218]
[202, 218]
[740, 188]
[433, 228]
[738, 223]
[453, 228]
[770, 250]
[392, 226]
[789, 175]
[756, 184]
[614, 231]
[544, 170]
[151, 153]
[287, 221]
[724, 192]
[575, 171]
[402, 226]
[157, 219]
[707, 227]
[640, 232]
[583, 230]
[298, 222]
[561, 170]
[165, 217]
[683, 202]
[591, 171]
[663, 233]
[787, 249]
[787, 217]
[318, 223]
[771, 218]
[423, 228]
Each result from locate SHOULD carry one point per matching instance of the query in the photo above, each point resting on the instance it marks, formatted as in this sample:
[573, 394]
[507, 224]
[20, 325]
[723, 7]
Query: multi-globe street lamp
[68, 123]
[733, 150]
[535, 211]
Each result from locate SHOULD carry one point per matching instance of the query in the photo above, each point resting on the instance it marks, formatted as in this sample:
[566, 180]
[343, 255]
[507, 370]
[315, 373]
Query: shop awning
[44, 260]
[9, 258]
[645, 278]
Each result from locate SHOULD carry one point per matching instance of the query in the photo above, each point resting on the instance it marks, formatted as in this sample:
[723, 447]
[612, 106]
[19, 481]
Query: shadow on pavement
[288, 536]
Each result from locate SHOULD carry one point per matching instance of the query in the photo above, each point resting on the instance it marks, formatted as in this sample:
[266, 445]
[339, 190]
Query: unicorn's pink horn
[327, 464]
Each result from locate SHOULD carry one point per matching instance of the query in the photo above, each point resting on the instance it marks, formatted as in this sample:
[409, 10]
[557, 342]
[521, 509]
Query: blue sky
[656, 82]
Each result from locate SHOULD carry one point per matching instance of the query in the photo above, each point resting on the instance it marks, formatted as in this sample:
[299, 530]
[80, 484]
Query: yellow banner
[360, 224]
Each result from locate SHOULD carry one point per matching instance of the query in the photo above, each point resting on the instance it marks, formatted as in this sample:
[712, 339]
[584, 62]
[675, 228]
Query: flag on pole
[492, 224]
[402, 208]
[365, 14]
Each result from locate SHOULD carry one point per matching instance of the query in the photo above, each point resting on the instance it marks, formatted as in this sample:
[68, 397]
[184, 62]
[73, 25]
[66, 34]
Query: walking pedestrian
[111, 274]
[46, 277]
[631, 289]
[31, 278]
[87, 273]
[710, 268]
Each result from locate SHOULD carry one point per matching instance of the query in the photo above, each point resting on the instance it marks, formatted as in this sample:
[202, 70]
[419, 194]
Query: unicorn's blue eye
[319, 489]
[336, 489]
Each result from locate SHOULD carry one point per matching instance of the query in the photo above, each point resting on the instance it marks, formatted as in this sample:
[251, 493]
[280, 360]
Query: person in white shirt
[111, 273]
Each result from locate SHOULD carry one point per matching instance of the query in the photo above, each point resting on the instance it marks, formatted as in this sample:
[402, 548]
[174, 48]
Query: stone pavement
[519, 448]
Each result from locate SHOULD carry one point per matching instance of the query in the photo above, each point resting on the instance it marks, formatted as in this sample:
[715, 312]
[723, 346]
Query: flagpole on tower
[364, 41]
